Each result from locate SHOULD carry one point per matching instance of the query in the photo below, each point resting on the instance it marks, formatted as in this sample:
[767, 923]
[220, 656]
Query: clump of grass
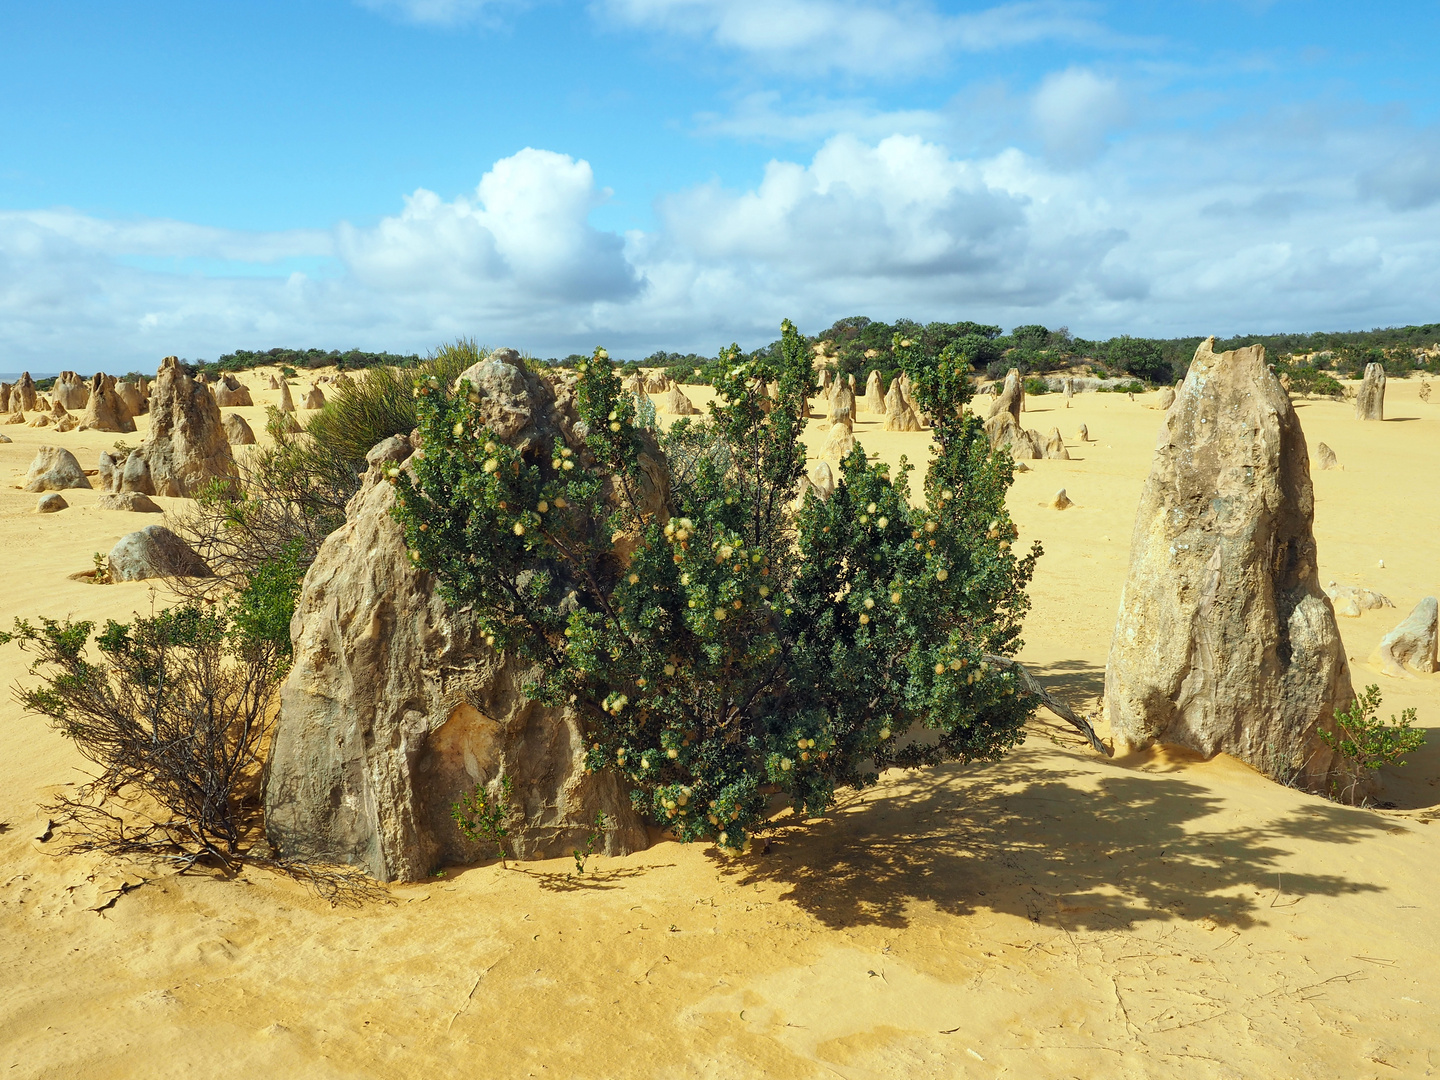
[361, 412]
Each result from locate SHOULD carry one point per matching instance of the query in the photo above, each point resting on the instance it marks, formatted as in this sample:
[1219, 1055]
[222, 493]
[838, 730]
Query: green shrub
[1036, 386]
[1366, 742]
[729, 646]
[174, 715]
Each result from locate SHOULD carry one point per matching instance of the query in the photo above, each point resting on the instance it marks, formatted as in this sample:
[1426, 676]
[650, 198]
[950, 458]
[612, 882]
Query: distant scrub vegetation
[856, 345]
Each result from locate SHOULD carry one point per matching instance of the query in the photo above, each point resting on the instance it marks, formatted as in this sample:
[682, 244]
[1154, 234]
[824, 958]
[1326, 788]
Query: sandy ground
[1056, 915]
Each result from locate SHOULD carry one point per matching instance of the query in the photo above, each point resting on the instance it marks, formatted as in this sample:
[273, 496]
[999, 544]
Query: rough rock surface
[5, 439]
[131, 501]
[822, 479]
[42, 420]
[395, 707]
[237, 431]
[1166, 398]
[1413, 642]
[1012, 393]
[839, 442]
[50, 504]
[873, 400]
[287, 402]
[70, 390]
[1370, 396]
[315, 398]
[22, 395]
[105, 410]
[1055, 446]
[900, 415]
[154, 551]
[274, 383]
[1224, 640]
[185, 447]
[55, 469]
[110, 470]
[16, 417]
[1326, 457]
[1004, 430]
[231, 393]
[133, 397]
[675, 402]
[393, 449]
[842, 403]
[1067, 385]
[1061, 501]
[1084, 433]
[1351, 600]
[5, 389]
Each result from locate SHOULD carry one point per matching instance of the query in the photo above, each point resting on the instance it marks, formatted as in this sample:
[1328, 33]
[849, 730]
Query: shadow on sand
[1027, 840]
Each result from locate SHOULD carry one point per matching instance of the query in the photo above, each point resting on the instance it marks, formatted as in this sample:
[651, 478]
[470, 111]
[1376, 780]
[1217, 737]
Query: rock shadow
[1011, 838]
[1071, 680]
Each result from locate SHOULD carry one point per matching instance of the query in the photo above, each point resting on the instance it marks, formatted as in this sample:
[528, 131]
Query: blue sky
[194, 178]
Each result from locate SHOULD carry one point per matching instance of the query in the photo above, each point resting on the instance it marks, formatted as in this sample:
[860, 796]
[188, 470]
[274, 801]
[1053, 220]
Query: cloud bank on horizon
[1091, 172]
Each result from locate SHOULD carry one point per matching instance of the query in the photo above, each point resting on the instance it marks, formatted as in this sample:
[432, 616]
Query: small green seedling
[481, 818]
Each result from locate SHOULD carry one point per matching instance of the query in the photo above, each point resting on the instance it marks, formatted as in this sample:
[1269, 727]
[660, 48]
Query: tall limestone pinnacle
[1225, 641]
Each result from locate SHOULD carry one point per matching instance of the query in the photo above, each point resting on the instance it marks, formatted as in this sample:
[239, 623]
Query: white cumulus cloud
[523, 236]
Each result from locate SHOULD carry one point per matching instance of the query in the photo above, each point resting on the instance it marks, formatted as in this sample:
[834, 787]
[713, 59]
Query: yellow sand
[1054, 915]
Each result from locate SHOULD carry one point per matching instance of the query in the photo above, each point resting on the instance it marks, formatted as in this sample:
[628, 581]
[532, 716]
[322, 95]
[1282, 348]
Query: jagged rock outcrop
[1370, 396]
[16, 417]
[1224, 640]
[185, 447]
[315, 398]
[41, 420]
[900, 415]
[50, 504]
[1325, 457]
[22, 395]
[1166, 398]
[676, 403]
[1055, 446]
[1413, 642]
[1084, 433]
[231, 393]
[105, 410]
[70, 390]
[154, 551]
[1067, 385]
[5, 439]
[237, 431]
[287, 403]
[130, 501]
[395, 708]
[54, 469]
[842, 402]
[274, 383]
[5, 389]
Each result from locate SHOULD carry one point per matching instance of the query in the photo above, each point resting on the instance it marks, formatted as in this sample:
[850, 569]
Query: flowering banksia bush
[719, 643]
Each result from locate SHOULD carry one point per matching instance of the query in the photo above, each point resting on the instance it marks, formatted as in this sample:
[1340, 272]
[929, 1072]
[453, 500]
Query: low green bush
[732, 645]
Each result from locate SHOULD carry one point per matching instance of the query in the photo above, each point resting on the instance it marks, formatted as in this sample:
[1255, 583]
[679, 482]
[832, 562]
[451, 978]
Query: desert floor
[1055, 915]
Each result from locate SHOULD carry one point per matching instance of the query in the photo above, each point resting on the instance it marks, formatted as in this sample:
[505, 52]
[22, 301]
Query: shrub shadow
[1008, 838]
